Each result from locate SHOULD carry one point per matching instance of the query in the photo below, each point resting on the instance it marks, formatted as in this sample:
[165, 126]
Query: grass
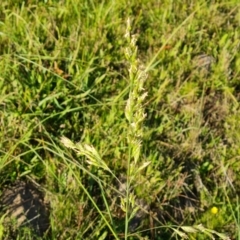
[115, 162]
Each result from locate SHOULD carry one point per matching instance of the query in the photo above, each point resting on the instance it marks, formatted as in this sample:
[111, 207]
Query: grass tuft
[124, 115]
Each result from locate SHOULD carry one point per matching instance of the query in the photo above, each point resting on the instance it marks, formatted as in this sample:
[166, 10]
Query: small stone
[203, 62]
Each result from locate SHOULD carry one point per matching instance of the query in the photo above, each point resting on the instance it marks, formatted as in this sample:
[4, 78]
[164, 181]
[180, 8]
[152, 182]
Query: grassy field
[125, 114]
